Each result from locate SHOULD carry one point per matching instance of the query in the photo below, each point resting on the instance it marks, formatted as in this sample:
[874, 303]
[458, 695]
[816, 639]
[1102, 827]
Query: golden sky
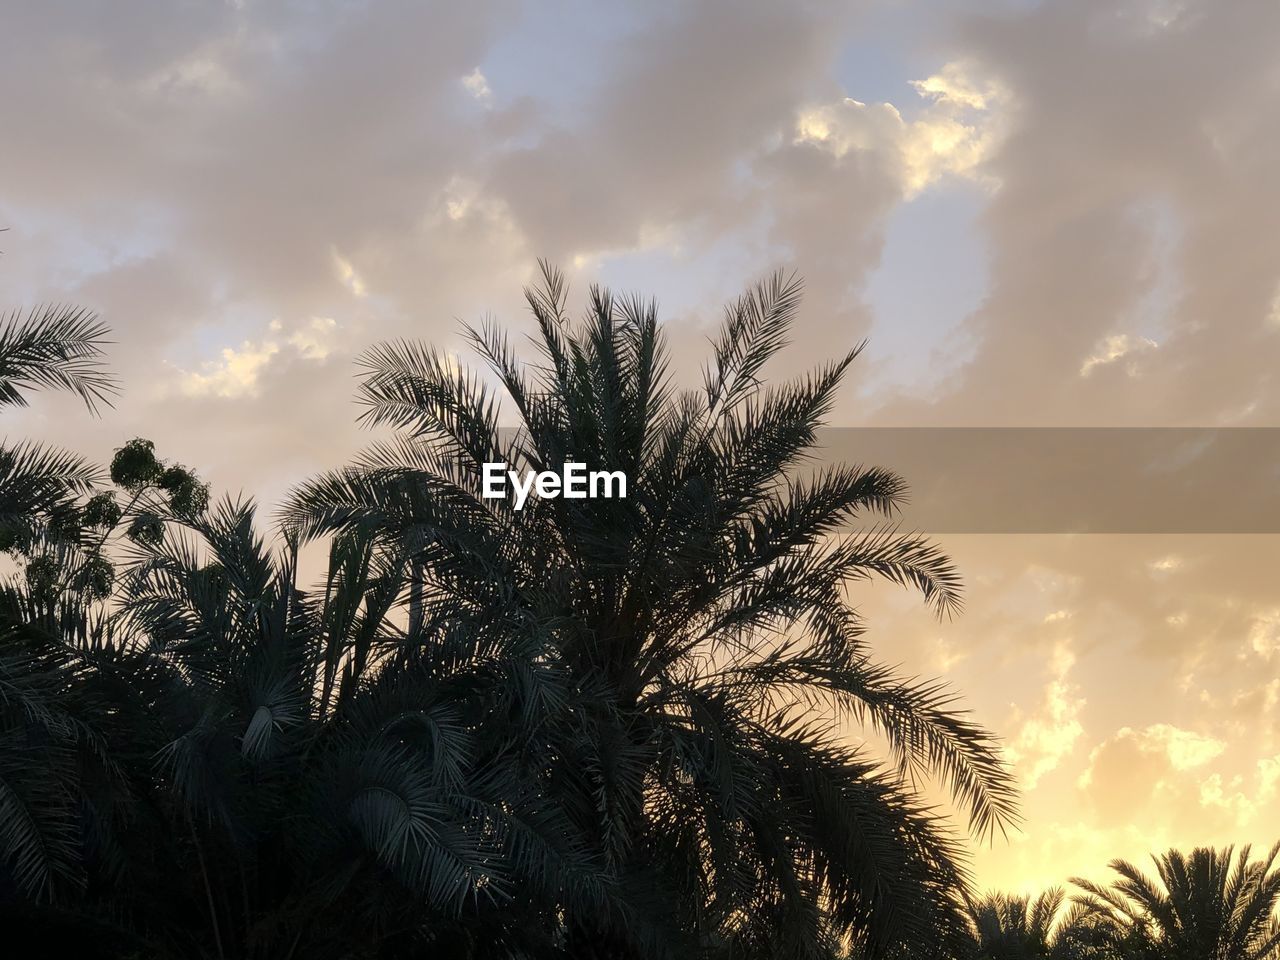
[1047, 214]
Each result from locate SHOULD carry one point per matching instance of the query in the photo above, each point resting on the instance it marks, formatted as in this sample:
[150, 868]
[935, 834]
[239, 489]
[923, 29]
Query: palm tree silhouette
[1004, 927]
[697, 633]
[50, 347]
[230, 766]
[1202, 905]
[1015, 928]
[55, 347]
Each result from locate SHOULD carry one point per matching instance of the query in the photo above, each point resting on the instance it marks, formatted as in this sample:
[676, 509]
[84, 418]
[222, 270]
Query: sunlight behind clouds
[1046, 737]
[239, 371]
[952, 134]
[399, 168]
[1114, 348]
[234, 375]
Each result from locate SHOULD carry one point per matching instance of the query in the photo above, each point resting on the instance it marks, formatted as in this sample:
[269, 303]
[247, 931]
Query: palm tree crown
[694, 651]
[1208, 905]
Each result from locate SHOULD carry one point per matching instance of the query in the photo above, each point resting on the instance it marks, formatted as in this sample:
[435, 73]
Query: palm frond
[54, 346]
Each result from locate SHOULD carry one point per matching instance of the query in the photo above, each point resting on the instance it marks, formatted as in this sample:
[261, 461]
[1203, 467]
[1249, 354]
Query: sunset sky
[1049, 214]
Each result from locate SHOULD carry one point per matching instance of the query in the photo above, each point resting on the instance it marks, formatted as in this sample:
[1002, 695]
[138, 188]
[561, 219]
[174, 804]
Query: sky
[1053, 214]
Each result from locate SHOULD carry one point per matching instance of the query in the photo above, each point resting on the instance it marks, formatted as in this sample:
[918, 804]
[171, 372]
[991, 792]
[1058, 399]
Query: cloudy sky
[1041, 214]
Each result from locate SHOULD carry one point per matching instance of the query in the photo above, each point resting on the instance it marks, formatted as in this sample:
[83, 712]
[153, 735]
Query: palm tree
[1014, 928]
[55, 776]
[60, 348]
[1203, 906]
[704, 653]
[220, 764]
[1004, 927]
[56, 347]
[269, 776]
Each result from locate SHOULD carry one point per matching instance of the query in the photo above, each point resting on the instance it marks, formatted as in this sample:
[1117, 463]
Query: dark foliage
[592, 728]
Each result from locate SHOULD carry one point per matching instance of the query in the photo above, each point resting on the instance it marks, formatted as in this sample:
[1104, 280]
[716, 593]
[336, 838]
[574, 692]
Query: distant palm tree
[704, 653]
[1004, 927]
[1014, 928]
[1203, 906]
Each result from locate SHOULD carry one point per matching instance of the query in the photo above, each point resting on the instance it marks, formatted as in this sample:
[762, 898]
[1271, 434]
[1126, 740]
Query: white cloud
[1117, 347]
[1264, 634]
[348, 275]
[1227, 796]
[1182, 750]
[238, 371]
[1050, 734]
[953, 135]
[206, 72]
[234, 375]
[1186, 749]
[315, 340]
[476, 84]
[1240, 799]
[955, 84]
[949, 653]
[1268, 777]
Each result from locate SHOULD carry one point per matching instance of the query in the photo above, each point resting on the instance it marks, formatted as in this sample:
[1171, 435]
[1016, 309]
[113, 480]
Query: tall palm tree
[707, 655]
[1210, 905]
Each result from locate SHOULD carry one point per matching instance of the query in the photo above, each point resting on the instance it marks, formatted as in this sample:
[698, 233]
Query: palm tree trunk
[415, 597]
[208, 889]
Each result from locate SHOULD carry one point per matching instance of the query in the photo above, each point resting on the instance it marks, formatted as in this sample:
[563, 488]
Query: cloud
[348, 275]
[239, 371]
[1049, 734]
[1169, 746]
[1151, 775]
[955, 84]
[192, 172]
[1116, 347]
[1134, 195]
[236, 374]
[1264, 634]
[952, 136]
[314, 341]
[476, 85]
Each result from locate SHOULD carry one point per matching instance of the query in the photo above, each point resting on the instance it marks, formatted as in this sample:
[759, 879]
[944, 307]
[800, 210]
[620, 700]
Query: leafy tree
[697, 635]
